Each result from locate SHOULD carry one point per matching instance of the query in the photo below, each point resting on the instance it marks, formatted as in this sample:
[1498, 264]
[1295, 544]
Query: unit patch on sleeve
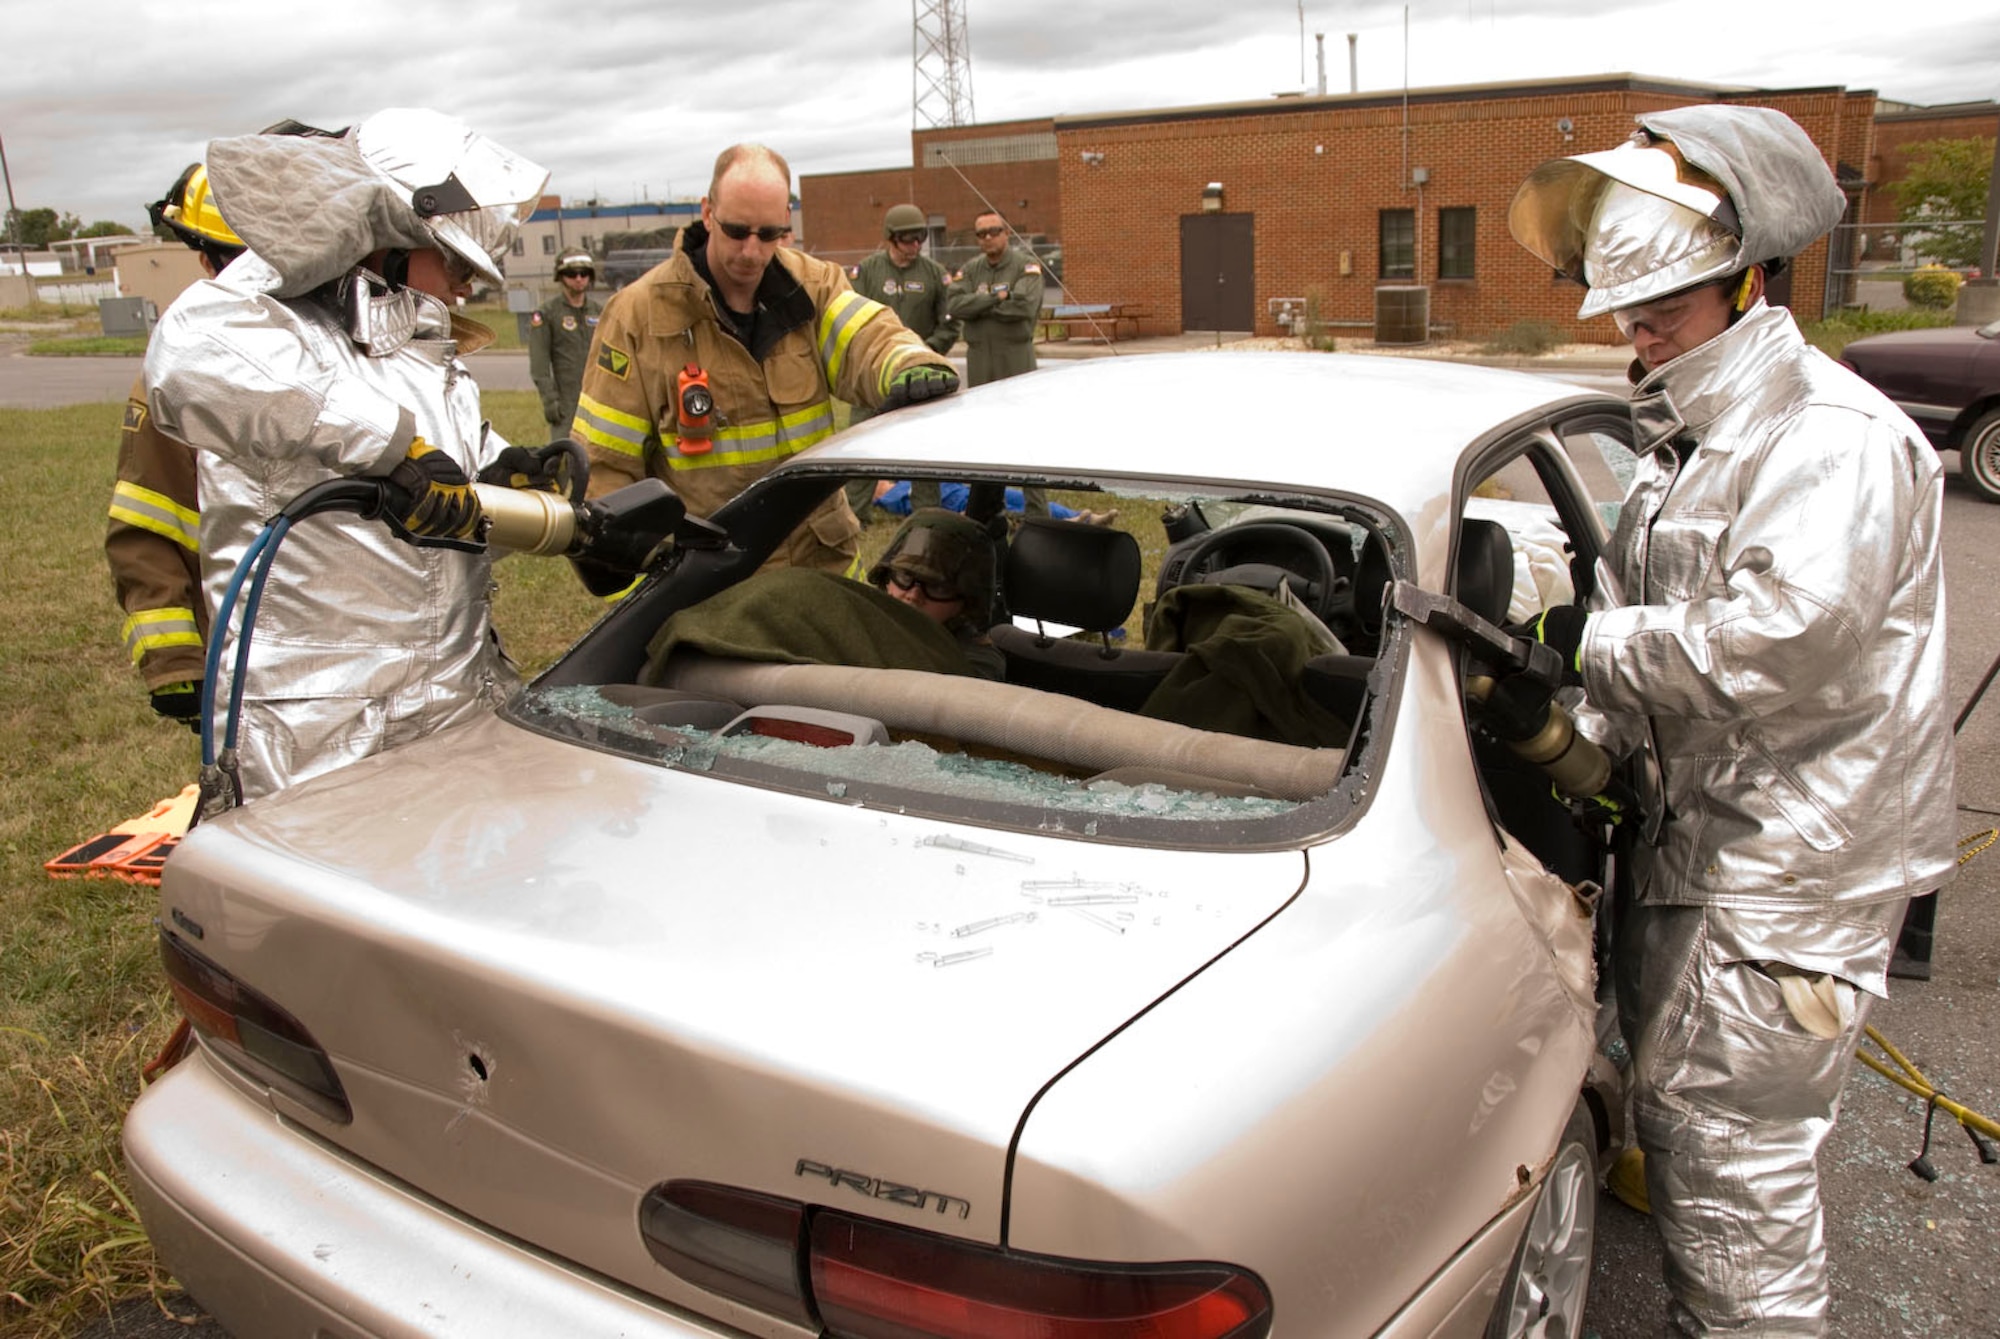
[615, 361]
[536, 319]
[135, 415]
[1031, 268]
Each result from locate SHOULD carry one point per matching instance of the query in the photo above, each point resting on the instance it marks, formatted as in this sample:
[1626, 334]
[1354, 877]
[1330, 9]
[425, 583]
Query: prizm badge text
[877, 1189]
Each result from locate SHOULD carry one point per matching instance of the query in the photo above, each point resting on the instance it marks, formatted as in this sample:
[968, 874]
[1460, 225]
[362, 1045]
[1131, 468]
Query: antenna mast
[941, 64]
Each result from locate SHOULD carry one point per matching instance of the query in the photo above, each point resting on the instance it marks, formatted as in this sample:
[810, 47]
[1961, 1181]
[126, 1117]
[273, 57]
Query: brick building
[1232, 216]
[955, 171]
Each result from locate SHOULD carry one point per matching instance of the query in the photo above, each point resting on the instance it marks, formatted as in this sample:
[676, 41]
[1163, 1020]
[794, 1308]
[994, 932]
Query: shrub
[1531, 338]
[1932, 287]
[1837, 331]
[1309, 328]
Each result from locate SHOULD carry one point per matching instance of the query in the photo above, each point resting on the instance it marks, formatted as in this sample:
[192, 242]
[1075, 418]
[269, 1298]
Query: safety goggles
[576, 274]
[929, 590]
[1663, 318]
[907, 238]
[741, 232]
[989, 232]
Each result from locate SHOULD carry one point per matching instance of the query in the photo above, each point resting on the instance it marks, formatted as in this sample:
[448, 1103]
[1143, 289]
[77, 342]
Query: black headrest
[1065, 572]
[1485, 569]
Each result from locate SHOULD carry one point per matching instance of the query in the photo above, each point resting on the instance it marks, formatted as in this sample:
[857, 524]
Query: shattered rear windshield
[1133, 668]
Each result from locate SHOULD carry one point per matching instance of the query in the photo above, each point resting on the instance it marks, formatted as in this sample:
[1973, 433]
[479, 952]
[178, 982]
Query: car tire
[1544, 1292]
[1979, 456]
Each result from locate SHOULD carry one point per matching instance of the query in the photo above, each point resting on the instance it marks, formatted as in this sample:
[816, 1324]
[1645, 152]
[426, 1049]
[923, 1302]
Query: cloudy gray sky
[102, 104]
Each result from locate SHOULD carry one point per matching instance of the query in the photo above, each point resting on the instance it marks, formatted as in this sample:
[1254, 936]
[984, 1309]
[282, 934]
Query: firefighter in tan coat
[723, 360]
[152, 541]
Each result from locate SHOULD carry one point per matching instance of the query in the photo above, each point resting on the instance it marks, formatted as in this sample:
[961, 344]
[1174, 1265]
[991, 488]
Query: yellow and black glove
[179, 702]
[560, 467]
[926, 381]
[428, 501]
[1560, 628]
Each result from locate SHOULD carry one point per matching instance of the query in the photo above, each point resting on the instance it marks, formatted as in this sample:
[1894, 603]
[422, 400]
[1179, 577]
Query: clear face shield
[470, 192]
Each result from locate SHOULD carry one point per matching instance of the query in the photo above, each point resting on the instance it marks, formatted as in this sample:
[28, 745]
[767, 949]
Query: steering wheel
[1325, 592]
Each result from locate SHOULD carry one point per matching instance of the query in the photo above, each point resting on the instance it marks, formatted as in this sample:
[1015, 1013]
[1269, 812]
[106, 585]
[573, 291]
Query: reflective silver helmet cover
[426, 154]
[313, 208]
[1748, 175]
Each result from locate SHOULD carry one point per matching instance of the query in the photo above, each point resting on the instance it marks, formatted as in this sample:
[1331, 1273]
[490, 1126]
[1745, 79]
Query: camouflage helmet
[944, 551]
[904, 218]
[576, 261]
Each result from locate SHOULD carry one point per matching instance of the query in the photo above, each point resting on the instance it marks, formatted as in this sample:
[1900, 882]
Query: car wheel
[1544, 1292]
[1979, 456]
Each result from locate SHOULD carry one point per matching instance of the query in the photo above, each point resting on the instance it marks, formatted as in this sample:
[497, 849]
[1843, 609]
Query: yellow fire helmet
[189, 212]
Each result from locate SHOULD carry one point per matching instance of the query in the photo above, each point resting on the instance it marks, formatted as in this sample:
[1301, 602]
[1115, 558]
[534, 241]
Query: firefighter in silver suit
[1772, 615]
[332, 348]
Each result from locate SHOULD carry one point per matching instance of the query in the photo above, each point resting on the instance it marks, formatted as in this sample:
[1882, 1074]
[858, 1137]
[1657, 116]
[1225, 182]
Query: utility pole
[14, 228]
[13, 214]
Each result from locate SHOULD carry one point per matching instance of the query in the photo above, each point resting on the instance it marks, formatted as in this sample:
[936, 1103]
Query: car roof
[1389, 428]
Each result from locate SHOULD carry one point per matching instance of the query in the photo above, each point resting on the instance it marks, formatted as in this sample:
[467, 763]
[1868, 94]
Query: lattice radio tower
[941, 62]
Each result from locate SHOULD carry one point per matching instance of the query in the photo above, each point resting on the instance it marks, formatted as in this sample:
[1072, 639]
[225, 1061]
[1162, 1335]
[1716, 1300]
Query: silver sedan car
[1224, 969]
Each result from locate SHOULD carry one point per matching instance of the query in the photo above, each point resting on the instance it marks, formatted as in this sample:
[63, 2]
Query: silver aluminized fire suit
[1784, 640]
[362, 641]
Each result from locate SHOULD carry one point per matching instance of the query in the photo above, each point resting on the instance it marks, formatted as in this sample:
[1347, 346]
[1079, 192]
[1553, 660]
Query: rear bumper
[280, 1237]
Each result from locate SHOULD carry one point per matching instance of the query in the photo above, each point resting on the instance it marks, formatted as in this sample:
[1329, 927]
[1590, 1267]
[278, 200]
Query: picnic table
[1104, 321]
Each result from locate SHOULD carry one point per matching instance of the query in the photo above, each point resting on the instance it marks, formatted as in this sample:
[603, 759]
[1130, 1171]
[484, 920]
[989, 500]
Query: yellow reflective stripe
[612, 429]
[856, 570]
[156, 512]
[843, 317]
[156, 629]
[754, 443]
[615, 596]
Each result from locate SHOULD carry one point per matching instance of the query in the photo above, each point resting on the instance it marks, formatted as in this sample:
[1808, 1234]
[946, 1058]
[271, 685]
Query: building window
[589, 243]
[1399, 243]
[520, 248]
[1455, 229]
[548, 244]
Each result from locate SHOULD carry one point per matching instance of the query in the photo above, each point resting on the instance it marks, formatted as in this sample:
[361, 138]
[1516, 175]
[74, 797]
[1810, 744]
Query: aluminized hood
[663, 974]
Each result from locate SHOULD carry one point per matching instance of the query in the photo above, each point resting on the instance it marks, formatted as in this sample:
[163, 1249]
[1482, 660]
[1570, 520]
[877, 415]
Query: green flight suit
[1000, 303]
[916, 295]
[558, 352]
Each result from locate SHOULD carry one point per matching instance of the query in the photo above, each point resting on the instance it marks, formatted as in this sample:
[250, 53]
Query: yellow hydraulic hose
[1910, 1076]
[1913, 1079]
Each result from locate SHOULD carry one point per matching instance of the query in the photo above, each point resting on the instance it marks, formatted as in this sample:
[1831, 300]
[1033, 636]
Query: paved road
[1909, 1257]
[43, 383]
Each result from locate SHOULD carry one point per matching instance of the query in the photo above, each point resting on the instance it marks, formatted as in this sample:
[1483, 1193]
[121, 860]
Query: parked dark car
[1948, 380]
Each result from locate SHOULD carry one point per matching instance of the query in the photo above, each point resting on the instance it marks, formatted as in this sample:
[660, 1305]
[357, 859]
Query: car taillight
[742, 1245]
[251, 1031]
[864, 1279]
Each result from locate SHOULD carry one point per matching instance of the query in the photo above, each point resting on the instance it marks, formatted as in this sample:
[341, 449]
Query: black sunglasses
[740, 232]
[906, 237]
[987, 232]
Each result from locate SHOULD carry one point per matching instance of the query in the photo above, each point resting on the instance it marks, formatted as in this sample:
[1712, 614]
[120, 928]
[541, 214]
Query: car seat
[1083, 577]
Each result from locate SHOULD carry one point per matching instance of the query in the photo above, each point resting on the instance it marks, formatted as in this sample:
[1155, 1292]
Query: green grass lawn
[82, 1002]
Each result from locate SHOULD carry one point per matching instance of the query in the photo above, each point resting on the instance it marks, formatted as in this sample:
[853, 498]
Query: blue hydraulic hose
[277, 529]
[211, 670]
[361, 496]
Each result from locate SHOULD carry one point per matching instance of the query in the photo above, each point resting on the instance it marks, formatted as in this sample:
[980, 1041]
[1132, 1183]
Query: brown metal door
[1218, 268]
